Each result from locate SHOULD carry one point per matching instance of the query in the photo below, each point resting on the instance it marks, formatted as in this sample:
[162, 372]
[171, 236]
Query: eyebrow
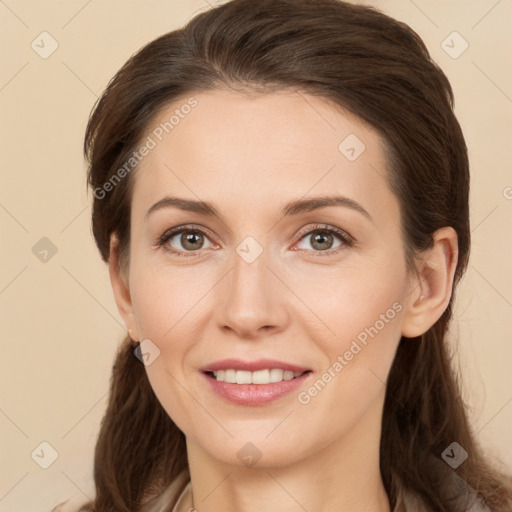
[292, 208]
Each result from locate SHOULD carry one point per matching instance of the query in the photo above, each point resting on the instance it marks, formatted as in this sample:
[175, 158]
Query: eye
[185, 240]
[190, 240]
[326, 240]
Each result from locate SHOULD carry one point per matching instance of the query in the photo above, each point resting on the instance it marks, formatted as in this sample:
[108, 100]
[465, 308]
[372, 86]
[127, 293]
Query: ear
[119, 281]
[431, 287]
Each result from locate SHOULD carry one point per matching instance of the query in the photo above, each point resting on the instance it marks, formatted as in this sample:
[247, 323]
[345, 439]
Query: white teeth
[243, 377]
[258, 377]
[276, 375]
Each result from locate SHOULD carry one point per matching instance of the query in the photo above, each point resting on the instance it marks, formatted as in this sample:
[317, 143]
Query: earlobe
[120, 288]
[431, 289]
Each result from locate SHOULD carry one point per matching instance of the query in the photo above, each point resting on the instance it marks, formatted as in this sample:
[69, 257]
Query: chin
[255, 451]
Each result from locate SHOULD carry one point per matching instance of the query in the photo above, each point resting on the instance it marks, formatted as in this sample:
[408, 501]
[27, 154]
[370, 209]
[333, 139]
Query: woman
[281, 193]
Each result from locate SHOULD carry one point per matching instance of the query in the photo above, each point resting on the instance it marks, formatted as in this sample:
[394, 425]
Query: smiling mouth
[266, 376]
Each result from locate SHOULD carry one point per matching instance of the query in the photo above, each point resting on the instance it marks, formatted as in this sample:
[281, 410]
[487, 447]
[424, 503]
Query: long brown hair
[377, 68]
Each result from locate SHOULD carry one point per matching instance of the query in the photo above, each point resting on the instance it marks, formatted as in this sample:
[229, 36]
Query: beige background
[60, 325]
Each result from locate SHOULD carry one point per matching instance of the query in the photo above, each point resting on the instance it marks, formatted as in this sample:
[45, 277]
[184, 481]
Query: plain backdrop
[59, 322]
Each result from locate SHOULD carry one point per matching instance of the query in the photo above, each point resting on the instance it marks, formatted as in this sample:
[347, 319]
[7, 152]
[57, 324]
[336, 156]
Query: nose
[252, 300]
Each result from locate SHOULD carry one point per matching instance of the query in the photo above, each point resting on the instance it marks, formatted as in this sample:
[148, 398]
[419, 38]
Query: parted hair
[379, 69]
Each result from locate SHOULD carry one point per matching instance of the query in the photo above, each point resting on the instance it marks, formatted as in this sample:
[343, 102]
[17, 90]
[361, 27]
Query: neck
[343, 476]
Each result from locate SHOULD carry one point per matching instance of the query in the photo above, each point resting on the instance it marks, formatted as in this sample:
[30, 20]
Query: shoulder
[70, 505]
[409, 501]
[175, 493]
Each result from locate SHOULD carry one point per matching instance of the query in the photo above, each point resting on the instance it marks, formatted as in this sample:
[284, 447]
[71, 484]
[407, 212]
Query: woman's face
[276, 274]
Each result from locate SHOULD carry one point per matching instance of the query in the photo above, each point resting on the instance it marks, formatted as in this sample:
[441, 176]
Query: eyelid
[341, 233]
[346, 239]
[161, 241]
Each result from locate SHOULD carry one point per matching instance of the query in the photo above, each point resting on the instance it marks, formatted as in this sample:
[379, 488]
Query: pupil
[322, 238]
[190, 239]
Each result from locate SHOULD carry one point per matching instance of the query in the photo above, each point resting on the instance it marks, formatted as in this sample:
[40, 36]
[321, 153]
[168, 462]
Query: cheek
[349, 303]
[352, 380]
[360, 313]
[165, 300]
[167, 303]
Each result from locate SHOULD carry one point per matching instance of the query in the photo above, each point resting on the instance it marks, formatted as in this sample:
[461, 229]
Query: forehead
[261, 150]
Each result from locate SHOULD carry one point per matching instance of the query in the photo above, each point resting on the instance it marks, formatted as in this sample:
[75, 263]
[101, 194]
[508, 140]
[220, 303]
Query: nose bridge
[251, 301]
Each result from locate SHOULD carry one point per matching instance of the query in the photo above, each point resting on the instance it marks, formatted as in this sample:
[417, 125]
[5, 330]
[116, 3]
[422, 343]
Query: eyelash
[345, 238]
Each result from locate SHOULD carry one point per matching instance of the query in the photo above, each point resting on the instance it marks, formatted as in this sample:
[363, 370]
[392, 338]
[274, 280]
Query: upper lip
[252, 366]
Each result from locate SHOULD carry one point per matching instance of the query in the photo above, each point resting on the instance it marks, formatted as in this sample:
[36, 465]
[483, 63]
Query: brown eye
[184, 241]
[325, 240]
[192, 240]
[321, 240]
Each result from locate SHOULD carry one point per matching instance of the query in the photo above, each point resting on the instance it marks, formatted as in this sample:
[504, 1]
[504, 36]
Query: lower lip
[255, 394]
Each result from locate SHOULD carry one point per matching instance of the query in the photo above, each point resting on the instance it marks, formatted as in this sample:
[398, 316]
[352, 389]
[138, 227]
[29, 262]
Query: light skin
[249, 156]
